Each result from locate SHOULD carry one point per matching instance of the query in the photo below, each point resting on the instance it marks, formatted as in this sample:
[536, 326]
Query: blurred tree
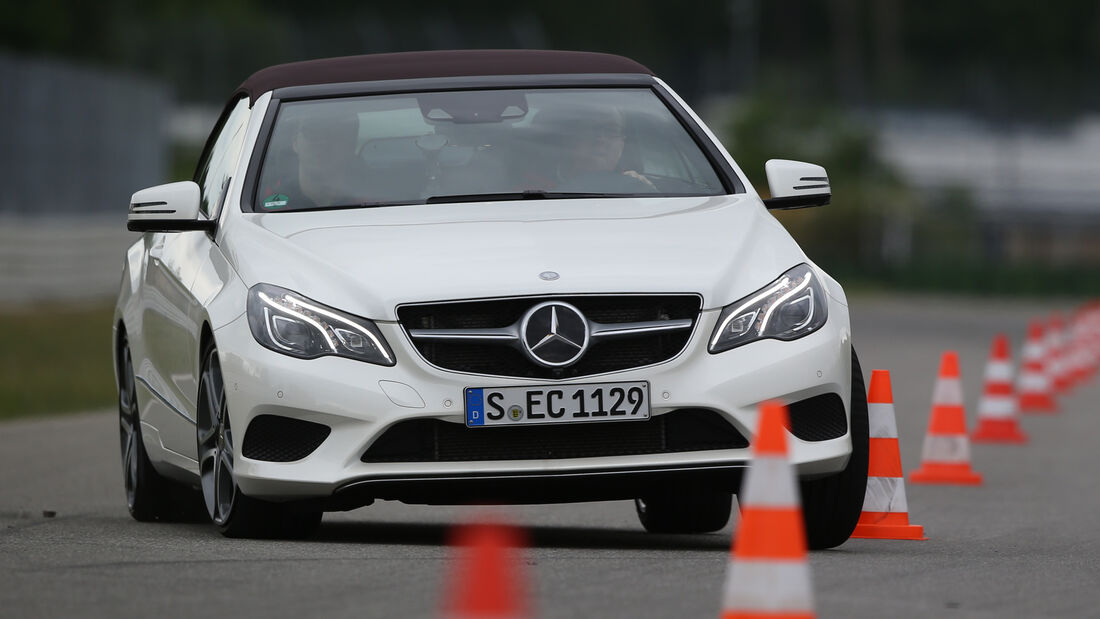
[1006, 58]
[867, 195]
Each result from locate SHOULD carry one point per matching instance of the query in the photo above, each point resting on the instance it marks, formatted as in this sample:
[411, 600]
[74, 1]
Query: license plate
[508, 406]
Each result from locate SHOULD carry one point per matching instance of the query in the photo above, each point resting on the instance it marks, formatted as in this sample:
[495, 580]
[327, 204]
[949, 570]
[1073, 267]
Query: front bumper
[359, 401]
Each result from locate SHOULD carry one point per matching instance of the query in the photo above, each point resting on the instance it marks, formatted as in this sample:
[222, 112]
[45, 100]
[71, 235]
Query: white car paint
[366, 262]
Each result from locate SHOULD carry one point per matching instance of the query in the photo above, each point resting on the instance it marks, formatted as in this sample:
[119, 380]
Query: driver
[328, 173]
[327, 166]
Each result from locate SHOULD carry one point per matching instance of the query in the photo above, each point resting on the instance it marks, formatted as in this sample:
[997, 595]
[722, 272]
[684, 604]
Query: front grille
[819, 418]
[273, 438]
[432, 440]
[604, 356]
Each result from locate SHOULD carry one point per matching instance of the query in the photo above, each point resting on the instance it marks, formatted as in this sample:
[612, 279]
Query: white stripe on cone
[997, 407]
[880, 417]
[1054, 367]
[948, 391]
[769, 484]
[1032, 382]
[946, 449]
[885, 494]
[769, 586]
[998, 372]
[1033, 351]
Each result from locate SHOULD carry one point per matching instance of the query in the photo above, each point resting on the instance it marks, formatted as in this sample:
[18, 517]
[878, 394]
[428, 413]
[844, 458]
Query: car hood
[368, 261]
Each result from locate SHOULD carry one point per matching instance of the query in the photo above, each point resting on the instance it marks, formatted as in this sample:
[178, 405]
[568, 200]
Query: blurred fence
[1036, 189]
[76, 139]
[77, 142]
[1013, 170]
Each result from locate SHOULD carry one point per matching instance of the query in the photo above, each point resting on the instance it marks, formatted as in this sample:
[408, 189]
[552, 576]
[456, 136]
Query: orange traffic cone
[945, 458]
[1084, 345]
[998, 410]
[1088, 341]
[1036, 394]
[487, 581]
[1056, 355]
[768, 574]
[1075, 352]
[885, 510]
[1091, 340]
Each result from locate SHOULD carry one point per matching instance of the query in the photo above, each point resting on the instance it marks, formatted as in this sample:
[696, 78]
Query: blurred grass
[55, 359]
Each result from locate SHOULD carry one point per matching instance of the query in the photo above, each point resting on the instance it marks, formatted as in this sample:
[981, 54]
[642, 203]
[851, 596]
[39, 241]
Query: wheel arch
[206, 339]
[119, 340]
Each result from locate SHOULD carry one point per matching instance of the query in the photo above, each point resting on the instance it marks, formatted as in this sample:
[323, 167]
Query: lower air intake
[819, 418]
[273, 438]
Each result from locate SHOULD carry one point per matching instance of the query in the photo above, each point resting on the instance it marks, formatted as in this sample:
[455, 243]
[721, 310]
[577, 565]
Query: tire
[150, 497]
[234, 513]
[256, 519]
[831, 505]
[693, 511]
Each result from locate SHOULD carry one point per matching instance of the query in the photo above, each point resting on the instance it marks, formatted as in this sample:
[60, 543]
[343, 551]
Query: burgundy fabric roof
[414, 65]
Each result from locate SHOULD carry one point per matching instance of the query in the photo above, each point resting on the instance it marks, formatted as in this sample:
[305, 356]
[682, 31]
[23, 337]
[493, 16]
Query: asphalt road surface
[1023, 545]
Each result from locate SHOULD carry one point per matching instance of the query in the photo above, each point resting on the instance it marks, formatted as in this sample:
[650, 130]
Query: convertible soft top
[419, 65]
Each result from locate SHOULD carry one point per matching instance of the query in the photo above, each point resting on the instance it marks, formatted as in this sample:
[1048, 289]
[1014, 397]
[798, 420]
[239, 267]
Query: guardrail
[55, 259]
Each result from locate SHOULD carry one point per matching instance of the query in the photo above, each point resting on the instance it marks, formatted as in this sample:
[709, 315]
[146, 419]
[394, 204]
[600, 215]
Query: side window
[220, 156]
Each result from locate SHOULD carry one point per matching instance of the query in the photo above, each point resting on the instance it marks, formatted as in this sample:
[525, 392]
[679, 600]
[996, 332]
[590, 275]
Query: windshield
[474, 145]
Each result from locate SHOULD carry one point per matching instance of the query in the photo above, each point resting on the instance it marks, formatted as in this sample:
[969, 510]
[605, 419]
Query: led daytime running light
[333, 332]
[766, 314]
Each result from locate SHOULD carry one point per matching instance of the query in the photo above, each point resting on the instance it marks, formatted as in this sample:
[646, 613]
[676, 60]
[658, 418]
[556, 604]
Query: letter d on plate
[475, 407]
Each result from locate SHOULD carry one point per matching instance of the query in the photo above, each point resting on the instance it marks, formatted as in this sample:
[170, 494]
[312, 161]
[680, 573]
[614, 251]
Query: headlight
[787, 309]
[294, 325]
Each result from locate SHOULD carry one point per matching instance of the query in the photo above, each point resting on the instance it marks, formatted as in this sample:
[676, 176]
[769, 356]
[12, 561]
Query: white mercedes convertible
[475, 277]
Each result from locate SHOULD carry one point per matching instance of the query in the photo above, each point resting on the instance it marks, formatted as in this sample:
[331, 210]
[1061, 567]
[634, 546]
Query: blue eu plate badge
[475, 407]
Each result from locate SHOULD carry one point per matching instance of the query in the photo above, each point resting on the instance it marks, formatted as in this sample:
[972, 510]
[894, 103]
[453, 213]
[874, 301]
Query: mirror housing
[795, 184]
[167, 208]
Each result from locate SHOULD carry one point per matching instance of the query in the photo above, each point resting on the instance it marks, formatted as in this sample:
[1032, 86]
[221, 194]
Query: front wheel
[831, 505]
[234, 513]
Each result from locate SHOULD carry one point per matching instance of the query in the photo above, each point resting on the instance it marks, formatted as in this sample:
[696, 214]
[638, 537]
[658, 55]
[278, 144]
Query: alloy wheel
[215, 443]
[128, 432]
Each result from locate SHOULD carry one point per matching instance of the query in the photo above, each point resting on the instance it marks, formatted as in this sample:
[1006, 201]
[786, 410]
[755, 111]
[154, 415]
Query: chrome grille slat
[481, 337]
[510, 335]
[505, 335]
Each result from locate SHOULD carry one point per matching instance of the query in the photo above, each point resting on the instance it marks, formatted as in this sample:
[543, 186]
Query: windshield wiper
[529, 194]
[337, 207]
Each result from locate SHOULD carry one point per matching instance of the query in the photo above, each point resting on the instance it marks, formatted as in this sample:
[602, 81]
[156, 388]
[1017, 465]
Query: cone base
[1038, 405]
[933, 473]
[779, 614]
[889, 531]
[999, 431]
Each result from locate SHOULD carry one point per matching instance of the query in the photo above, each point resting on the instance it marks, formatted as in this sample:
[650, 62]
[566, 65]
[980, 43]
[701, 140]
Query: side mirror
[795, 184]
[167, 208]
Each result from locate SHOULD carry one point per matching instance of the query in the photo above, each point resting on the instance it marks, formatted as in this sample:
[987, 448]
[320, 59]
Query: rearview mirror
[167, 208]
[795, 184]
